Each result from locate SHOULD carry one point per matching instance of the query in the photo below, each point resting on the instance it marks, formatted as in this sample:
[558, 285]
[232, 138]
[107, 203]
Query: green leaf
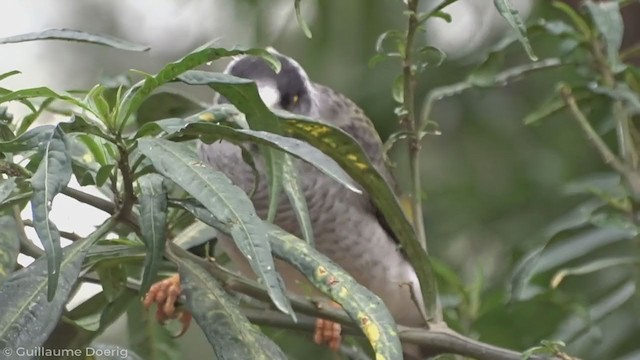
[437, 12]
[577, 20]
[244, 95]
[397, 90]
[31, 139]
[75, 35]
[113, 279]
[621, 92]
[103, 174]
[553, 105]
[608, 20]
[28, 120]
[296, 197]
[194, 235]
[136, 95]
[6, 188]
[153, 224]
[485, 74]
[225, 201]
[342, 148]
[45, 92]
[165, 105]
[27, 317]
[209, 132]
[506, 9]
[364, 307]
[78, 124]
[9, 74]
[53, 174]
[303, 24]
[147, 337]
[229, 332]
[592, 266]
[9, 242]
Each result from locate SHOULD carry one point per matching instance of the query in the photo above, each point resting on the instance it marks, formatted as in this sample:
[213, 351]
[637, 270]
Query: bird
[347, 226]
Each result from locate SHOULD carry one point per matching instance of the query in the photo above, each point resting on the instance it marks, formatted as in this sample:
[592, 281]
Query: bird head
[289, 89]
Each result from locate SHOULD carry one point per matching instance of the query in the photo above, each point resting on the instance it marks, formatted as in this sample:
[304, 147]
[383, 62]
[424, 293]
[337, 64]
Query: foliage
[117, 140]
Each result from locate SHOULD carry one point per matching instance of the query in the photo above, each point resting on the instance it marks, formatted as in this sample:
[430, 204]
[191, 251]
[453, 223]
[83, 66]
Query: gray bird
[346, 225]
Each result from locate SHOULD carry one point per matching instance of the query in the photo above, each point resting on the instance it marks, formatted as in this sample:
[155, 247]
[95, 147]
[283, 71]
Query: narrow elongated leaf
[296, 197]
[350, 156]
[27, 317]
[301, 22]
[6, 188]
[75, 35]
[28, 120]
[364, 307]
[54, 173]
[9, 245]
[9, 74]
[148, 338]
[79, 124]
[45, 92]
[209, 132]
[506, 9]
[592, 266]
[244, 95]
[229, 332]
[577, 20]
[194, 235]
[31, 139]
[607, 18]
[164, 105]
[153, 224]
[135, 96]
[225, 201]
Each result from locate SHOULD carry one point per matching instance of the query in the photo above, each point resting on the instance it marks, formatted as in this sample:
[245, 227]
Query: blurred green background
[494, 188]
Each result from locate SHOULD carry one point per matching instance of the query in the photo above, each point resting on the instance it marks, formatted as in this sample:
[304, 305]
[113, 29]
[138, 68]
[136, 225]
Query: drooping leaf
[577, 20]
[147, 337]
[165, 105]
[621, 92]
[6, 188]
[136, 95]
[608, 20]
[227, 202]
[75, 35]
[29, 140]
[27, 317]
[350, 156]
[592, 266]
[210, 132]
[229, 332]
[153, 224]
[506, 9]
[28, 120]
[53, 174]
[293, 189]
[244, 95]
[194, 235]
[9, 244]
[365, 308]
[79, 124]
[45, 92]
[301, 22]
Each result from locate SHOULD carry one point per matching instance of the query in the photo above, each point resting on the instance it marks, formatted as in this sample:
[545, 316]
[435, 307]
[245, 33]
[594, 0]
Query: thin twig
[67, 235]
[27, 246]
[607, 155]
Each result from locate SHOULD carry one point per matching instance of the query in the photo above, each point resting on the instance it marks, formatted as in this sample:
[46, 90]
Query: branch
[631, 176]
[102, 204]
[27, 246]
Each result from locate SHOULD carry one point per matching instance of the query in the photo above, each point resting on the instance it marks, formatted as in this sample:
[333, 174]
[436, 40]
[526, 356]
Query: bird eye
[295, 99]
